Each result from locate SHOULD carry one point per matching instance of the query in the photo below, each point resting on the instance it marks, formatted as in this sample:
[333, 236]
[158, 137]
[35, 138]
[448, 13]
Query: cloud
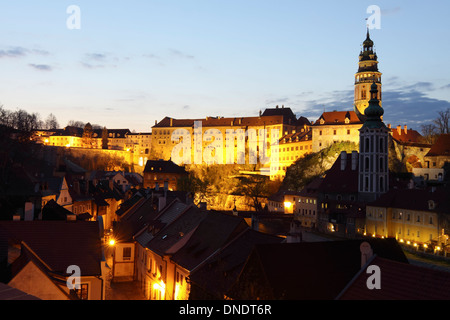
[96, 56]
[179, 54]
[407, 104]
[95, 60]
[17, 52]
[41, 67]
[391, 11]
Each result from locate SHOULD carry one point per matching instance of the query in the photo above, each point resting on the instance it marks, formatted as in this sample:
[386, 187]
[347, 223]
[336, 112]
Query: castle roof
[337, 118]
[441, 147]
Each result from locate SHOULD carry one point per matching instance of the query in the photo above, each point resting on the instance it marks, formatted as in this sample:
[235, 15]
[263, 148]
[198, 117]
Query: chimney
[343, 160]
[161, 202]
[354, 160]
[399, 130]
[171, 122]
[366, 253]
[389, 126]
[406, 129]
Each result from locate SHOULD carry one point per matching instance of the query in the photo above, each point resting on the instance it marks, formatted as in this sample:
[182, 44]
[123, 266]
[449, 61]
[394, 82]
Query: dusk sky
[133, 62]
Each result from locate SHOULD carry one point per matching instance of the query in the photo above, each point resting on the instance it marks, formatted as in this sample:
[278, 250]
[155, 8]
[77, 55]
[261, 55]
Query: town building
[333, 127]
[243, 140]
[163, 174]
[339, 209]
[439, 153]
[308, 204]
[290, 148]
[37, 258]
[418, 217]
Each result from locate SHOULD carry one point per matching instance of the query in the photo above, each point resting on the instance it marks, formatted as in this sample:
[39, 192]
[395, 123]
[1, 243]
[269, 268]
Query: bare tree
[77, 124]
[442, 121]
[429, 132]
[51, 122]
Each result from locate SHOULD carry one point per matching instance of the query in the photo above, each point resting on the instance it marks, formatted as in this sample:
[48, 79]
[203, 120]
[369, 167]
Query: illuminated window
[82, 292]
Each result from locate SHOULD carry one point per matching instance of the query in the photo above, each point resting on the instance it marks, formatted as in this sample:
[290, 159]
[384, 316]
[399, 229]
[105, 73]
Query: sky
[131, 63]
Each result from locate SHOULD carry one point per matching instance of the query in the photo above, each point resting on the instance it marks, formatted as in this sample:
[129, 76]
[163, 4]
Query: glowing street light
[112, 242]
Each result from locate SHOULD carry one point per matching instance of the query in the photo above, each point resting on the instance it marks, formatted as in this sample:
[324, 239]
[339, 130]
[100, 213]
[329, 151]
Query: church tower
[367, 74]
[373, 150]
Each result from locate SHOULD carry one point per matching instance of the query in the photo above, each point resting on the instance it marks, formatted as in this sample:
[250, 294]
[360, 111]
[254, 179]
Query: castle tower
[366, 75]
[373, 151]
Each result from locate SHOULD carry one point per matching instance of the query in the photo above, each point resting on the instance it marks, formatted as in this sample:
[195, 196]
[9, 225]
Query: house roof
[415, 199]
[10, 293]
[78, 243]
[311, 189]
[53, 211]
[307, 270]
[405, 135]
[141, 214]
[170, 212]
[337, 117]
[341, 181]
[212, 233]
[399, 281]
[216, 275]
[441, 147]
[165, 241]
[163, 166]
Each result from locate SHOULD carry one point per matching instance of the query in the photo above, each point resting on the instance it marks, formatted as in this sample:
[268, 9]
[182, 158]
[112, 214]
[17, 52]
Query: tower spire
[366, 75]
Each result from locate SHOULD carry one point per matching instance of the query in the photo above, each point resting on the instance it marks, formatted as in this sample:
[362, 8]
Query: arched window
[367, 164]
[367, 146]
[381, 163]
[381, 184]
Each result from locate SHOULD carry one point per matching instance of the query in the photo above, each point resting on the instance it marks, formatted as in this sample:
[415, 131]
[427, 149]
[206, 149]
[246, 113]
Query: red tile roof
[223, 122]
[399, 281]
[337, 117]
[341, 181]
[406, 135]
[441, 147]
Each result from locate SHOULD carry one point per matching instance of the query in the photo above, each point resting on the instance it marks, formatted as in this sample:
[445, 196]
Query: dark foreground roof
[304, 271]
[59, 244]
[399, 281]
